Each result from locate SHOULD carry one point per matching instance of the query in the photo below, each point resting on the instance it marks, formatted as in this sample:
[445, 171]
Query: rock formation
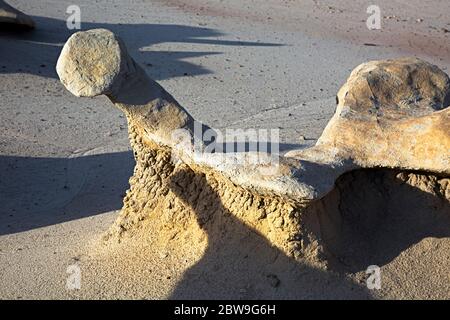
[13, 17]
[391, 114]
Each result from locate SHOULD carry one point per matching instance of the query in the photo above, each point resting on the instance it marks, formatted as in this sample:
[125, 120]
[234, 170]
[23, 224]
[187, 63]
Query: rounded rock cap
[91, 62]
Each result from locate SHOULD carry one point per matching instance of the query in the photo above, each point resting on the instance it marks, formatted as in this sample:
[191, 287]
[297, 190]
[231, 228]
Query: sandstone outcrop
[391, 114]
[11, 16]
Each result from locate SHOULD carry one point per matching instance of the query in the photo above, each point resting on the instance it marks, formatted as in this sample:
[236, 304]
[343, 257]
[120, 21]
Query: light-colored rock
[96, 62]
[390, 114]
[9, 15]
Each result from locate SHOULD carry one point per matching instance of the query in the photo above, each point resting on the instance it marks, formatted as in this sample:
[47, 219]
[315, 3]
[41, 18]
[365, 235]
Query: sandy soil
[413, 26]
[65, 161]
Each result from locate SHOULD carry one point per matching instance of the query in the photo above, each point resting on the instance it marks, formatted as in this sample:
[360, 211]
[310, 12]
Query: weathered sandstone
[391, 114]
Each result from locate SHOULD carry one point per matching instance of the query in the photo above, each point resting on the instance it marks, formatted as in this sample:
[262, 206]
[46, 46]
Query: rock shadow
[373, 215]
[38, 192]
[36, 52]
[241, 263]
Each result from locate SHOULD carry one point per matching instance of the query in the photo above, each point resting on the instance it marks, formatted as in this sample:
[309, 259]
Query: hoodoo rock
[13, 17]
[391, 115]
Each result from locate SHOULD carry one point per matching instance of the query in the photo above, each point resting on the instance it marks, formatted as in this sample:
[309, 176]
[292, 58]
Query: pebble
[273, 280]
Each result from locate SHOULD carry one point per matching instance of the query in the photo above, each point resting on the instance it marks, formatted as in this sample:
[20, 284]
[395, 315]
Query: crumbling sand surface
[220, 257]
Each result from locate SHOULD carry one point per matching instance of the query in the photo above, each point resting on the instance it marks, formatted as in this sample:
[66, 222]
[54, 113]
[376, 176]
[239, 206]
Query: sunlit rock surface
[391, 115]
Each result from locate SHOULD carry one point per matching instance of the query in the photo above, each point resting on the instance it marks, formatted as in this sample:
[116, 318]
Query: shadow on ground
[240, 263]
[38, 192]
[372, 216]
[36, 51]
[34, 187]
[379, 217]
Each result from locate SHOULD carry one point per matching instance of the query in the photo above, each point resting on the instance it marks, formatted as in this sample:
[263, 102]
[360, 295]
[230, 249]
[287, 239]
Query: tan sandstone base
[176, 194]
[369, 218]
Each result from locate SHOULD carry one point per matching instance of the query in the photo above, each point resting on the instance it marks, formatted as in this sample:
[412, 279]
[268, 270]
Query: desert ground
[65, 161]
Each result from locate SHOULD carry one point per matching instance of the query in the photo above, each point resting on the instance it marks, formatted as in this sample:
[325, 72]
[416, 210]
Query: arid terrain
[65, 161]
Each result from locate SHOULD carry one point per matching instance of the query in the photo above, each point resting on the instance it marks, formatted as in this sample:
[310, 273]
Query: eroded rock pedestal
[390, 132]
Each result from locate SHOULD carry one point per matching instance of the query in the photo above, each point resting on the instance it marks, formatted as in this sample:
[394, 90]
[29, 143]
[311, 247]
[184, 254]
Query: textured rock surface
[390, 114]
[9, 15]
